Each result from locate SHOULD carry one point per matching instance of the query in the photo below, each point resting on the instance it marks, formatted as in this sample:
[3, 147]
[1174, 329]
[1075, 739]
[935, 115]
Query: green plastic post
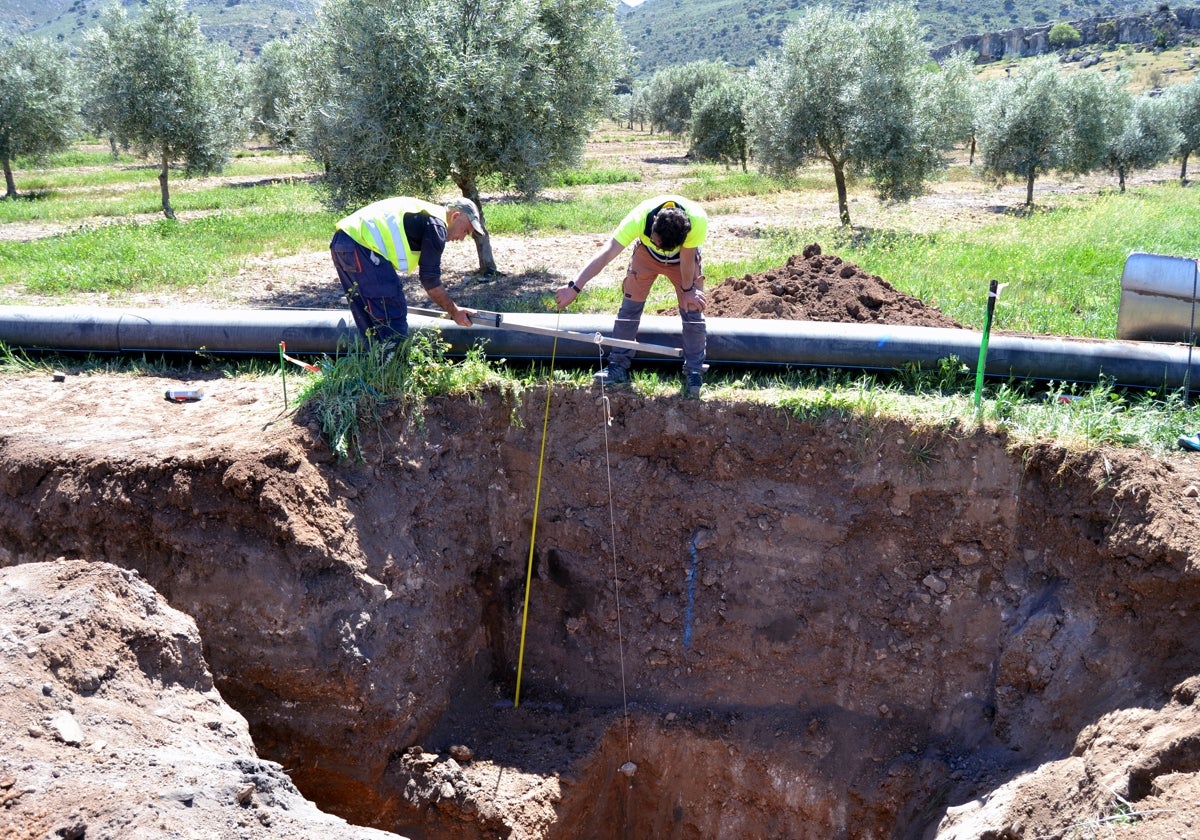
[283, 373]
[993, 293]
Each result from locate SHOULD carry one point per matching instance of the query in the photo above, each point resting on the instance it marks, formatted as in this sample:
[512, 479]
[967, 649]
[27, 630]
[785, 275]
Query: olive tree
[1023, 122]
[628, 107]
[1147, 138]
[156, 85]
[719, 123]
[1041, 119]
[37, 103]
[1185, 106]
[952, 99]
[316, 98]
[1096, 110]
[854, 92]
[670, 93]
[908, 124]
[274, 85]
[415, 92]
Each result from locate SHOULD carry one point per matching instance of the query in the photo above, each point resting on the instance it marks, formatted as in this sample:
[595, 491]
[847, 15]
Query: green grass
[592, 214]
[586, 175]
[355, 389]
[126, 257]
[119, 204]
[709, 183]
[593, 175]
[90, 169]
[1062, 267]
[77, 158]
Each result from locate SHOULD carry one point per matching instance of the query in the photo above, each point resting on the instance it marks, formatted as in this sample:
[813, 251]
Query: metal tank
[1158, 299]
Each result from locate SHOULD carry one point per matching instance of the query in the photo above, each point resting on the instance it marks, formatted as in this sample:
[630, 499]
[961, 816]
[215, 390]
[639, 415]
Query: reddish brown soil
[111, 726]
[837, 628]
[819, 287]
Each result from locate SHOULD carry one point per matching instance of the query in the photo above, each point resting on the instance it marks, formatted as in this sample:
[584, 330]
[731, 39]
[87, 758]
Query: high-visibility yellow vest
[380, 228]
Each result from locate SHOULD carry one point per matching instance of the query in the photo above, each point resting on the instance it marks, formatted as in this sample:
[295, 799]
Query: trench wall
[848, 606]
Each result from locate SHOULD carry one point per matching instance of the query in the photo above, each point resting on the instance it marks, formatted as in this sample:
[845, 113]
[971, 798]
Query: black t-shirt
[427, 236]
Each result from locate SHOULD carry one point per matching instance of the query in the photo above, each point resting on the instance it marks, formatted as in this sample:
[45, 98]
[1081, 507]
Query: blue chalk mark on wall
[691, 595]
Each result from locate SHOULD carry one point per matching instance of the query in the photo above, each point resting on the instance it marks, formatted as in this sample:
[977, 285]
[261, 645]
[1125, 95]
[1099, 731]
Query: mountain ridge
[662, 32]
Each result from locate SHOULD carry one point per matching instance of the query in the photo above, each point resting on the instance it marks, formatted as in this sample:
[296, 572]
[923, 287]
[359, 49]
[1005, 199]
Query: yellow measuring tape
[629, 767]
[537, 499]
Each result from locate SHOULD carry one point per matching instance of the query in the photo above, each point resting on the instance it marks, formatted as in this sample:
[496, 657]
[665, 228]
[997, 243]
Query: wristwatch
[575, 288]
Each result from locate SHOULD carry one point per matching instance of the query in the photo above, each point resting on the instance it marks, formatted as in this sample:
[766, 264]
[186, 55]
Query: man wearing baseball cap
[373, 246]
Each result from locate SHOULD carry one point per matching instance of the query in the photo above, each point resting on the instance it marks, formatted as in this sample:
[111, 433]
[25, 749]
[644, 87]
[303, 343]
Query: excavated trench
[740, 623]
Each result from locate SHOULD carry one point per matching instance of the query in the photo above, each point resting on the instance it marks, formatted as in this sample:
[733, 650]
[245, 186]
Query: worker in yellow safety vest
[666, 232]
[373, 246]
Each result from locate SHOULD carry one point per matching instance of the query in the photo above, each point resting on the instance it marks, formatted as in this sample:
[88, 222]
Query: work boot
[611, 376]
[694, 381]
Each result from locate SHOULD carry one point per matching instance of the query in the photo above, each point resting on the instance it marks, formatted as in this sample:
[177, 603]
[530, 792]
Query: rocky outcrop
[1164, 27]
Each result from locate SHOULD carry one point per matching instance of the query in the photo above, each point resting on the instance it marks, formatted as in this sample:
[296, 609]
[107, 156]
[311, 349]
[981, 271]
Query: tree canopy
[1147, 138]
[719, 129]
[274, 88]
[1023, 122]
[37, 103]
[1097, 110]
[412, 93]
[1185, 104]
[670, 93]
[156, 85]
[1041, 119]
[855, 93]
[1064, 35]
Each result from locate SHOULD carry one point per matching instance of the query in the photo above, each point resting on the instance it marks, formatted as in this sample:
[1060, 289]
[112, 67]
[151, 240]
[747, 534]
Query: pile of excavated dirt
[819, 287]
[770, 627]
[111, 726]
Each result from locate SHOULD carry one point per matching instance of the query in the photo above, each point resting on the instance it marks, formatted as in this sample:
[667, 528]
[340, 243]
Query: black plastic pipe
[731, 341]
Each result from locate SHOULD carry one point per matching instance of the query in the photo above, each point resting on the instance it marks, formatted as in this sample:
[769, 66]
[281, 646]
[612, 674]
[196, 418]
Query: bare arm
[461, 316]
[566, 294]
[692, 297]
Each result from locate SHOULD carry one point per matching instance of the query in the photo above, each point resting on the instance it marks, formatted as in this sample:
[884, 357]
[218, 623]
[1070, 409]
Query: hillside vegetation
[243, 24]
[662, 32]
[665, 32]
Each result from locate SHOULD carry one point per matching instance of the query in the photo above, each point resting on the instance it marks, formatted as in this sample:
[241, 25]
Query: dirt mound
[820, 287]
[112, 727]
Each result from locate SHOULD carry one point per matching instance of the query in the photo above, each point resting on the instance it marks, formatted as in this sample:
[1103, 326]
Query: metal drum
[1158, 299]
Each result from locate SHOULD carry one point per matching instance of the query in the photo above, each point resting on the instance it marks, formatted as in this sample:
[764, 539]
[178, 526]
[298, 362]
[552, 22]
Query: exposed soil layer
[769, 628]
[111, 725]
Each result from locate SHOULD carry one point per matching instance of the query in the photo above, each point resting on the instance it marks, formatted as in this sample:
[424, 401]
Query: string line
[612, 526]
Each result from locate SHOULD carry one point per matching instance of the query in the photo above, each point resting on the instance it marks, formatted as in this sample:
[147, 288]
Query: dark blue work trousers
[373, 289]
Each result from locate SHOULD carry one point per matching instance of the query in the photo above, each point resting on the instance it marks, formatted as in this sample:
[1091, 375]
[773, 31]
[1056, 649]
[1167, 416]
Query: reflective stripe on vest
[380, 228]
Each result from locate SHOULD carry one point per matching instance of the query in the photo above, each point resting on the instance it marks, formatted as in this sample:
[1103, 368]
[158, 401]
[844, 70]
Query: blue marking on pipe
[691, 596]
